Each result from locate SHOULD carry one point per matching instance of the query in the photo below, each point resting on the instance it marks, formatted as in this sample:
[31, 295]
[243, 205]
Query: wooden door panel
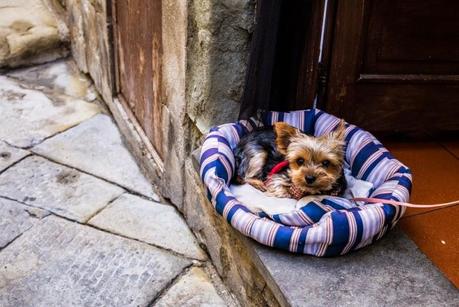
[411, 37]
[421, 110]
[138, 43]
[395, 65]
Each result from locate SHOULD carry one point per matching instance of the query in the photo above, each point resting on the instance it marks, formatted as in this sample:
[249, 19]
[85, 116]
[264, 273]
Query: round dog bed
[329, 227]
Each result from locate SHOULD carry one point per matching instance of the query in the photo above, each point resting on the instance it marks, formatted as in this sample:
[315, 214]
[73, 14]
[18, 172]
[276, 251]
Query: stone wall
[90, 45]
[219, 33]
[217, 48]
[175, 125]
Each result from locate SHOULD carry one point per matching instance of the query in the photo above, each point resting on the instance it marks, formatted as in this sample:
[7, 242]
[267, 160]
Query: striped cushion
[333, 226]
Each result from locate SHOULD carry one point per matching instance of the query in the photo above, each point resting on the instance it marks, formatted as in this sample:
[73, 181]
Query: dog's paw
[257, 184]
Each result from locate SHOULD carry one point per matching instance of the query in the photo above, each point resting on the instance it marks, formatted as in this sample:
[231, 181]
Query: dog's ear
[340, 132]
[284, 133]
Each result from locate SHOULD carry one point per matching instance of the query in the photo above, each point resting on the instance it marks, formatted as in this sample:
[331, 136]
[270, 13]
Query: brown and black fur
[315, 163]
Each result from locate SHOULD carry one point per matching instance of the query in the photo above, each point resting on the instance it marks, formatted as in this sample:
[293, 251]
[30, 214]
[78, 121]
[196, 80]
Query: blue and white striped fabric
[333, 226]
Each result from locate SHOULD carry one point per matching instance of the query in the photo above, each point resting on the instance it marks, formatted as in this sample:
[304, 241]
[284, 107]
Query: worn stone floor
[79, 223]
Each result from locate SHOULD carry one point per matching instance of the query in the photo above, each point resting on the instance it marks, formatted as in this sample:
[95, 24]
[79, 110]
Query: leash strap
[398, 203]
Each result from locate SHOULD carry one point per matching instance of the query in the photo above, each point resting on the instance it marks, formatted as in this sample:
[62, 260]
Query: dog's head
[316, 163]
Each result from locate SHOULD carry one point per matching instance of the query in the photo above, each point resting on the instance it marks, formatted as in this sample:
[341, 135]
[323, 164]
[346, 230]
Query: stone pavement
[79, 224]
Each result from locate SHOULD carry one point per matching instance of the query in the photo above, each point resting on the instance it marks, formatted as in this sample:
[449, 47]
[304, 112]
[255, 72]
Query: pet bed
[325, 226]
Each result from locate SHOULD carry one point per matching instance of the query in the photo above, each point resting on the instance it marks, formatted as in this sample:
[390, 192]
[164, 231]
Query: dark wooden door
[137, 28]
[395, 65]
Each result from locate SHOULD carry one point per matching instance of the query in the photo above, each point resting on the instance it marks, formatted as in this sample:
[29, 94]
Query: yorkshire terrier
[284, 162]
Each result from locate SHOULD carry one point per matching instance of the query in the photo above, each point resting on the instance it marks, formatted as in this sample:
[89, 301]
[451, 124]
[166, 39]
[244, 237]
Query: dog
[284, 162]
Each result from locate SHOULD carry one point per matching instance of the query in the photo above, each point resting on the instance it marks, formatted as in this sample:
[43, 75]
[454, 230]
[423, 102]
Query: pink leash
[398, 203]
[282, 165]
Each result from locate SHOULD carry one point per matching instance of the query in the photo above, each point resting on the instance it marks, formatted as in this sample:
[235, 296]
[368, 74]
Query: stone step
[391, 272]
[30, 33]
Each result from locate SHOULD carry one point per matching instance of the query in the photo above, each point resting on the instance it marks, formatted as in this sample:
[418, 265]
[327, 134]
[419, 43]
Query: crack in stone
[45, 138]
[134, 239]
[104, 230]
[98, 177]
[53, 135]
[169, 285]
[105, 207]
[30, 211]
[23, 203]
[26, 230]
[14, 239]
[15, 163]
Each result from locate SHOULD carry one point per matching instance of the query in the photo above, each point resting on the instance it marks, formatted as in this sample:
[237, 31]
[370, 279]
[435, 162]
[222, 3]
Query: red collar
[278, 168]
[293, 190]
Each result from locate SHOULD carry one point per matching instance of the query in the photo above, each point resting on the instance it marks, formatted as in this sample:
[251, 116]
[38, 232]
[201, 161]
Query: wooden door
[395, 65]
[137, 29]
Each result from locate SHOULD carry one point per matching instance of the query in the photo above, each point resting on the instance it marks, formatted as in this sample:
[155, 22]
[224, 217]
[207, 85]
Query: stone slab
[62, 263]
[62, 77]
[151, 222]
[193, 289]
[59, 189]
[10, 155]
[15, 218]
[27, 30]
[96, 147]
[29, 116]
[391, 272]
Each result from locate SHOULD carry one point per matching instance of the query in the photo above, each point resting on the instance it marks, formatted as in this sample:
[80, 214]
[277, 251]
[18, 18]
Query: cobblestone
[59, 77]
[193, 289]
[96, 147]
[10, 155]
[29, 116]
[59, 189]
[62, 263]
[16, 218]
[75, 172]
[149, 222]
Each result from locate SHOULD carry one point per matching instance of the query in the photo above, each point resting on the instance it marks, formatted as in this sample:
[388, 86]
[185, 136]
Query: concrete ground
[79, 223]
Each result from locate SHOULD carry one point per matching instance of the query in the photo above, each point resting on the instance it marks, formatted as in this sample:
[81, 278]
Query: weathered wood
[138, 40]
[395, 66]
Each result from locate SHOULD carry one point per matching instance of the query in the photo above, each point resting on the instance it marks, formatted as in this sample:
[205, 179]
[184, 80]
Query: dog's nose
[310, 179]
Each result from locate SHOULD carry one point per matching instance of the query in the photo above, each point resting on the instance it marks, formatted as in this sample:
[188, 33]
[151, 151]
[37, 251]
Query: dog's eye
[325, 163]
[300, 161]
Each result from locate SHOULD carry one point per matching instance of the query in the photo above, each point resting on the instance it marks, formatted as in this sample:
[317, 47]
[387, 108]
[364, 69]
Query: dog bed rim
[359, 226]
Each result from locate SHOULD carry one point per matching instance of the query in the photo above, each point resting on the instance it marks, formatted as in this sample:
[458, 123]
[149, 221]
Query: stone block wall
[90, 45]
[219, 34]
